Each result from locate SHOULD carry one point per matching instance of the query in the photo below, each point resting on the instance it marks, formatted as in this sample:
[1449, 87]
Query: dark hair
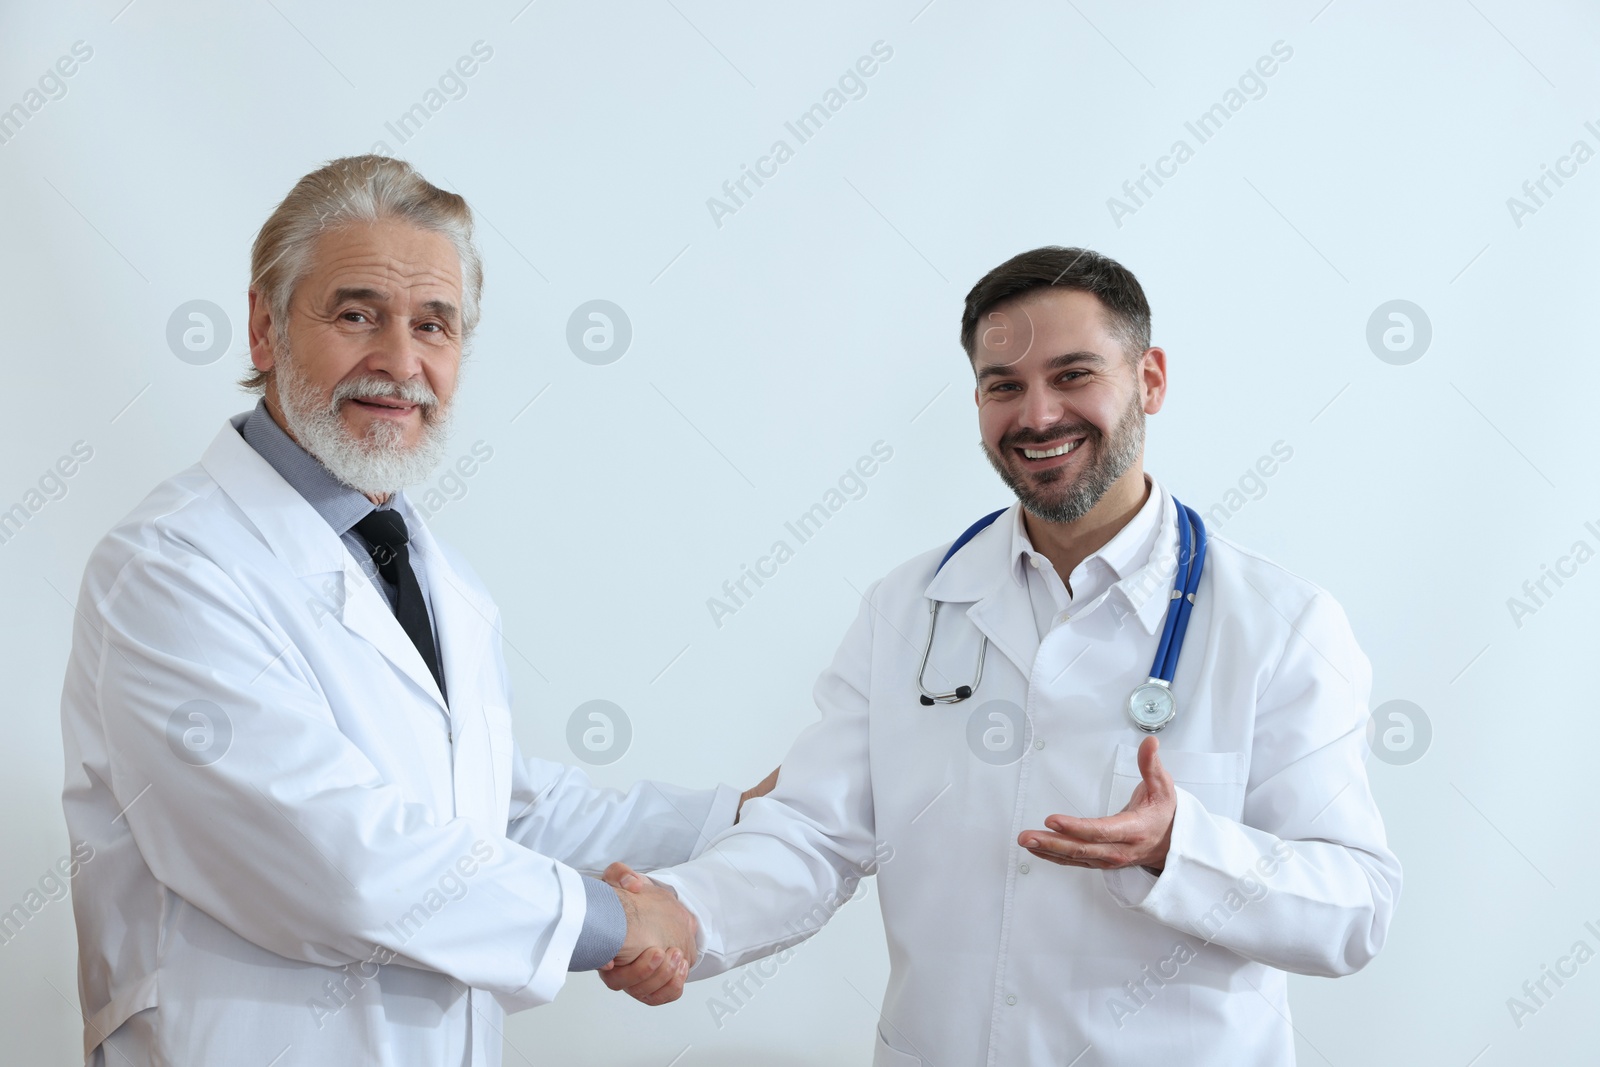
[1064, 268]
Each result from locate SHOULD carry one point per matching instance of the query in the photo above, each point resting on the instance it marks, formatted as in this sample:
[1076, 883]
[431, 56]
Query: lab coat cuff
[550, 967]
[1135, 887]
[724, 808]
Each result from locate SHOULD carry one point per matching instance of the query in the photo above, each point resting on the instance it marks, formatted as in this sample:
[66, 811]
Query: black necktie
[386, 536]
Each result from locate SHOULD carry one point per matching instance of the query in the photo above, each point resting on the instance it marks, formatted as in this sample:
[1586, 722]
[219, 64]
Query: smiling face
[365, 369]
[1060, 406]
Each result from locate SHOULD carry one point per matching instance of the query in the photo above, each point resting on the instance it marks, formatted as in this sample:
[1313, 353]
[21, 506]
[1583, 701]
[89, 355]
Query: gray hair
[349, 191]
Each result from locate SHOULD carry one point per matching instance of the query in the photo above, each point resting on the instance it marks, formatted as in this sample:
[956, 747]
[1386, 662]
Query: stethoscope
[1150, 705]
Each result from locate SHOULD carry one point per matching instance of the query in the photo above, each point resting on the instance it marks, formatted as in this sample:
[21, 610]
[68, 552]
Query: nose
[1042, 410]
[393, 351]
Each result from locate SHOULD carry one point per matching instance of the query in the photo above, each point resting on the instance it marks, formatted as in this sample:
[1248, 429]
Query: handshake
[659, 949]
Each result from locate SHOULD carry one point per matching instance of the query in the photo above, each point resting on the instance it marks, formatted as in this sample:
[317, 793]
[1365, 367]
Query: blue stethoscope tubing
[1191, 564]
[1151, 705]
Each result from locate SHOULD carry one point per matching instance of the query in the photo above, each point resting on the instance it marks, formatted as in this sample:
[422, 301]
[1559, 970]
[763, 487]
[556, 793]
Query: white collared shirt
[1127, 551]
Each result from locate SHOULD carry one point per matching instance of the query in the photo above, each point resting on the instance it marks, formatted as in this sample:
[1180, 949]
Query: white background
[771, 351]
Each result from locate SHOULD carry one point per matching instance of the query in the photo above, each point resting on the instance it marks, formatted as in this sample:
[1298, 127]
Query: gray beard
[1113, 459]
[378, 462]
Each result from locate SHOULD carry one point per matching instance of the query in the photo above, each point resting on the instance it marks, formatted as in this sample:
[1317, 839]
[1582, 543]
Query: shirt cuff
[605, 928]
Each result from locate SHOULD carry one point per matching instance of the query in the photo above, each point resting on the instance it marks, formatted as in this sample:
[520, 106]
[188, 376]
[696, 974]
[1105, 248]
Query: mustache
[411, 391]
[1029, 439]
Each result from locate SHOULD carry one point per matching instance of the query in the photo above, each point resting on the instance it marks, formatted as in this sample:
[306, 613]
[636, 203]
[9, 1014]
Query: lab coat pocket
[886, 1055]
[1216, 779]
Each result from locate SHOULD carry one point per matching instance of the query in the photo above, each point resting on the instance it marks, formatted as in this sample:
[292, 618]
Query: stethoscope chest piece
[1151, 706]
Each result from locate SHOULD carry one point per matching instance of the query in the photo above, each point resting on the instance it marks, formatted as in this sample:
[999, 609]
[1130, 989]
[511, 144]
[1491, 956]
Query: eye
[346, 315]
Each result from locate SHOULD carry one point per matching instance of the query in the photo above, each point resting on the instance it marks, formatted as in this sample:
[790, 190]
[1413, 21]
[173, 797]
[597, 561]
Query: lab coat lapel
[290, 526]
[981, 575]
[307, 545]
[368, 615]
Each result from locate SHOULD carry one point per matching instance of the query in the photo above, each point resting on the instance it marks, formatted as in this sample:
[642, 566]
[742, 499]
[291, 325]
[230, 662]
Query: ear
[1153, 379]
[261, 336]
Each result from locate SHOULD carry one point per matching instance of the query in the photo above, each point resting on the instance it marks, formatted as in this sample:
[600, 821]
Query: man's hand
[1138, 835]
[762, 788]
[659, 948]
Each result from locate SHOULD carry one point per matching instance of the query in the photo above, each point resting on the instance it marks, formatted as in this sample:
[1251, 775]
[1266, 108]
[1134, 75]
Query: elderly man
[287, 714]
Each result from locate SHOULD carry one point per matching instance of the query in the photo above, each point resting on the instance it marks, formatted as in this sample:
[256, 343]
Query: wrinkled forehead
[1040, 326]
[395, 261]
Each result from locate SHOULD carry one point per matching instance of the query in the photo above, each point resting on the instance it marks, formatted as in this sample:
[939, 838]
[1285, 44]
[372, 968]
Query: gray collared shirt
[605, 924]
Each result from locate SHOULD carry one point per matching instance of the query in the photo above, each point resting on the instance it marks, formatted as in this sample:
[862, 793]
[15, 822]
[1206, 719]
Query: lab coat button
[1023, 868]
[1035, 561]
[1038, 742]
[1011, 1000]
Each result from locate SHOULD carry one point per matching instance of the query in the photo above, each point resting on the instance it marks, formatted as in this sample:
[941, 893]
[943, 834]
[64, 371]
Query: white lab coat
[364, 875]
[1278, 859]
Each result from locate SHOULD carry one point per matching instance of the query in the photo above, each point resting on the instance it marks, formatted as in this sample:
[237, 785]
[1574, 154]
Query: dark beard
[1113, 458]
